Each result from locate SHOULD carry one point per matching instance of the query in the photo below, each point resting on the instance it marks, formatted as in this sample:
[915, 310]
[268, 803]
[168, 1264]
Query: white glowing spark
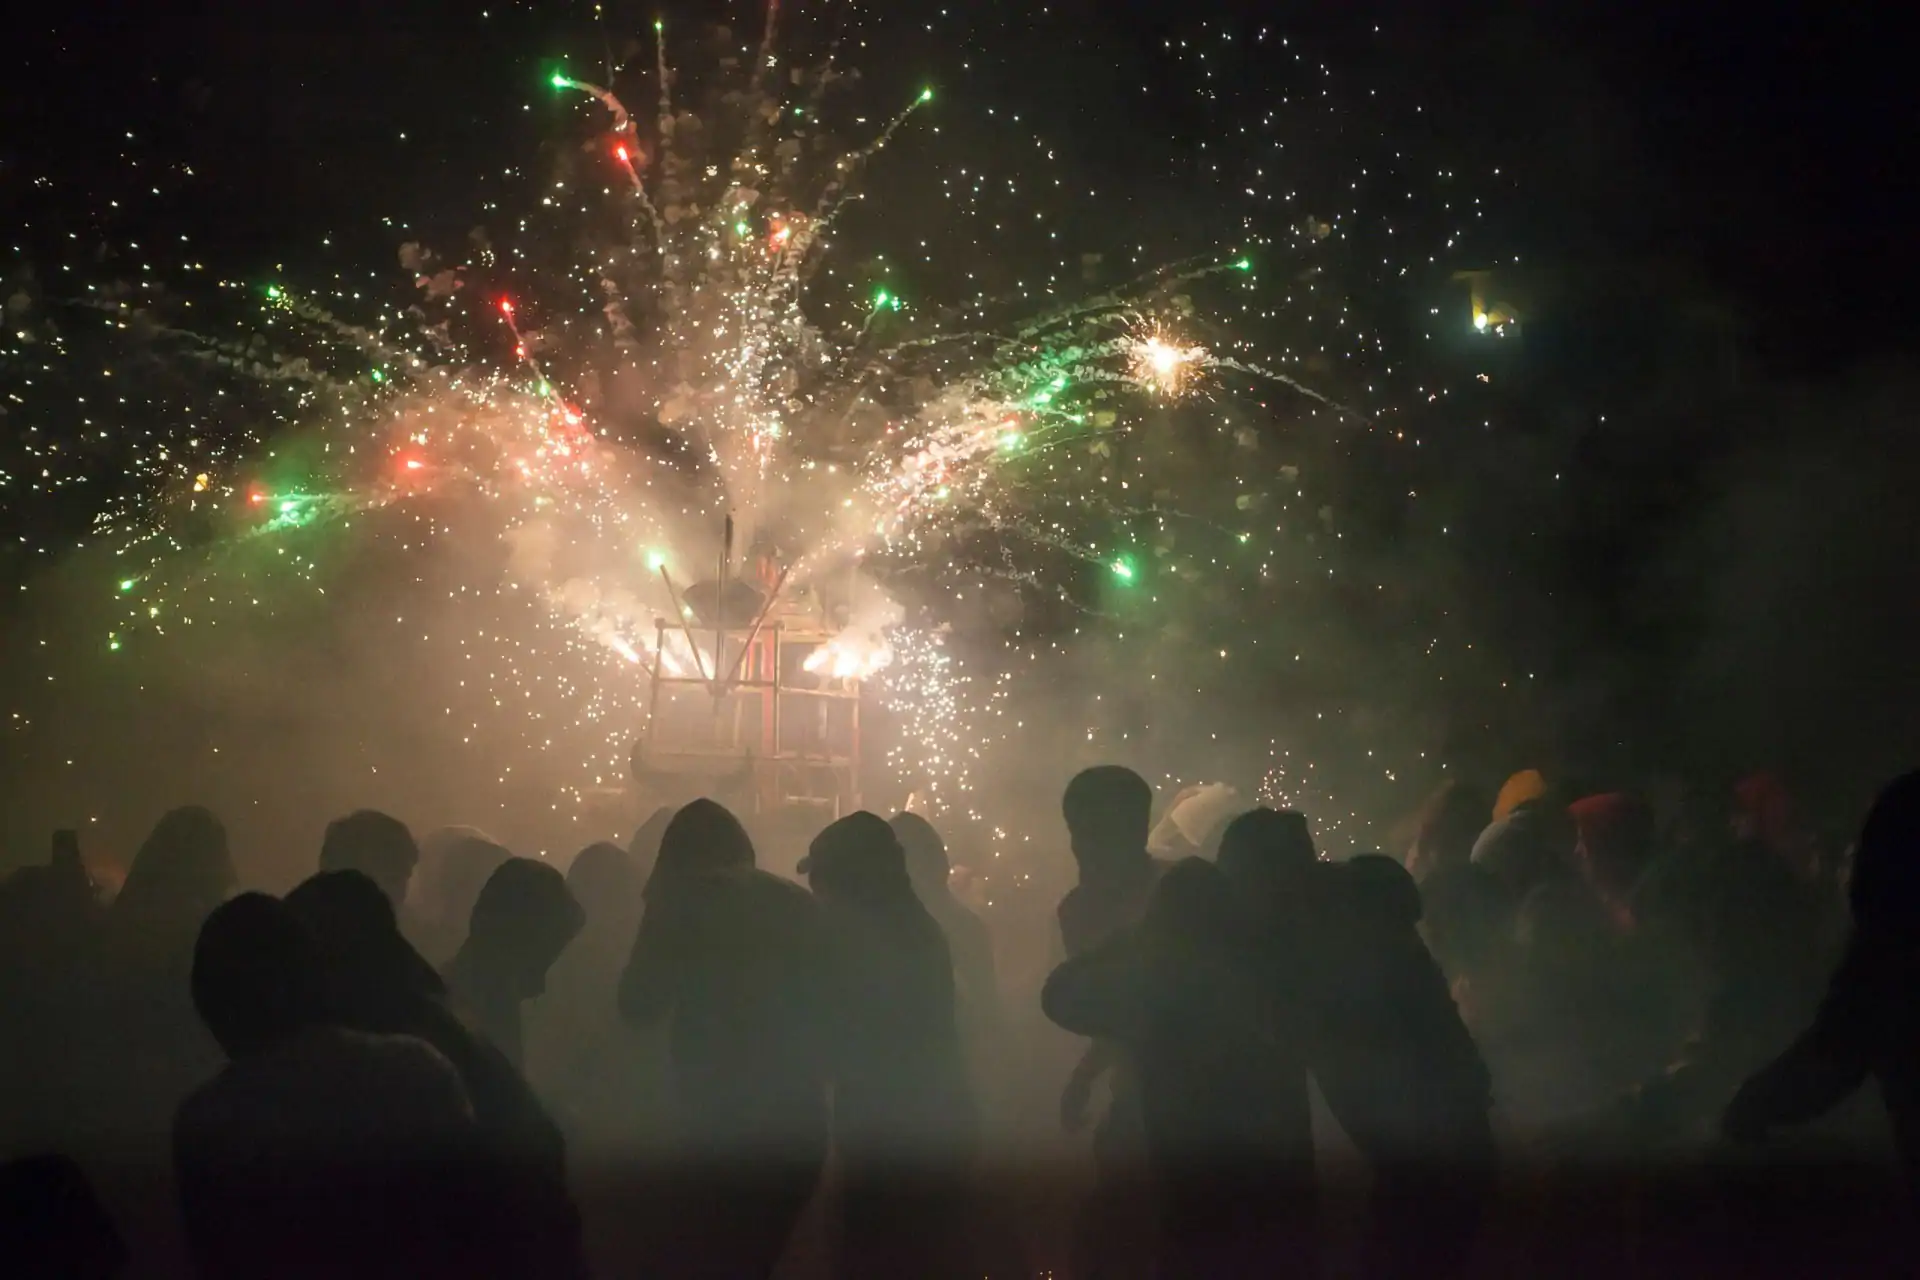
[1163, 364]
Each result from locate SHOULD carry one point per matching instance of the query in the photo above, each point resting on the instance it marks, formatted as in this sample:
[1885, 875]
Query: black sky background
[1760, 145]
[1762, 142]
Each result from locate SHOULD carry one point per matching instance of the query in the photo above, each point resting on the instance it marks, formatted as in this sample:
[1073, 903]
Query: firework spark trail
[714, 305]
[747, 441]
[939, 747]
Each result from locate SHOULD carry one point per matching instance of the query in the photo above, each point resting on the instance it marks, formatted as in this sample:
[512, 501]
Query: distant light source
[1480, 321]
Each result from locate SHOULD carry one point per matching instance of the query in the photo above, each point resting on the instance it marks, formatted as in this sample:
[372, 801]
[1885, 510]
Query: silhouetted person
[1399, 1071]
[1108, 811]
[142, 1048]
[644, 847]
[732, 960]
[1613, 847]
[1269, 857]
[1462, 918]
[317, 1151]
[1764, 932]
[976, 991]
[52, 1226]
[902, 1116]
[181, 873]
[375, 844]
[607, 1079]
[1530, 842]
[523, 920]
[1644, 1008]
[1584, 1005]
[1765, 814]
[1221, 1085]
[1445, 829]
[608, 886]
[1529, 846]
[50, 931]
[454, 865]
[1869, 1023]
[377, 983]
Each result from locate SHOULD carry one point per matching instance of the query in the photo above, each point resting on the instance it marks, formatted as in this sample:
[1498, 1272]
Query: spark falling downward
[700, 331]
[825, 440]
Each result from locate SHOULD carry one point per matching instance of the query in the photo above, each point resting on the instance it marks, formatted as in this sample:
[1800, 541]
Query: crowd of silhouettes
[1548, 1040]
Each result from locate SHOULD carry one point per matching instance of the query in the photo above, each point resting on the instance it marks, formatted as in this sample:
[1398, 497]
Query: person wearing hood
[1462, 915]
[1400, 1071]
[375, 844]
[976, 990]
[316, 1151]
[1268, 858]
[454, 865]
[1765, 814]
[606, 1079]
[1221, 1082]
[1194, 822]
[181, 873]
[1269, 855]
[902, 1117]
[141, 1048]
[644, 848]
[1525, 786]
[378, 984]
[523, 920]
[731, 960]
[1530, 842]
[1444, 830]
[1613, 847]
[607, 883]
[1868, 1026]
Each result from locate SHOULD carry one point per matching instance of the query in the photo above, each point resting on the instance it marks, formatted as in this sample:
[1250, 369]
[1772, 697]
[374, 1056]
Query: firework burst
[690, 329]
[730, 375]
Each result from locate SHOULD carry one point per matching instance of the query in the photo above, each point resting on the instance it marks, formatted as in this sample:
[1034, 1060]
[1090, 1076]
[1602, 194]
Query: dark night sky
[1760, 144]
[1763, 142]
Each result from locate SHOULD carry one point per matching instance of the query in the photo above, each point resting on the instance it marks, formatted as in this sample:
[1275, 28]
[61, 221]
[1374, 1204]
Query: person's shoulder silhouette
[314, 1142]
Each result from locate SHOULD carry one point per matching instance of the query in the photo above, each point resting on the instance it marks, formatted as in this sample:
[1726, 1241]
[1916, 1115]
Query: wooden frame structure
[757, 715]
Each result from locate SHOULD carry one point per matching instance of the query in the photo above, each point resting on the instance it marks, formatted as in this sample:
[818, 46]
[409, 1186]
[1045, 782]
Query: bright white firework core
[1164, 365]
